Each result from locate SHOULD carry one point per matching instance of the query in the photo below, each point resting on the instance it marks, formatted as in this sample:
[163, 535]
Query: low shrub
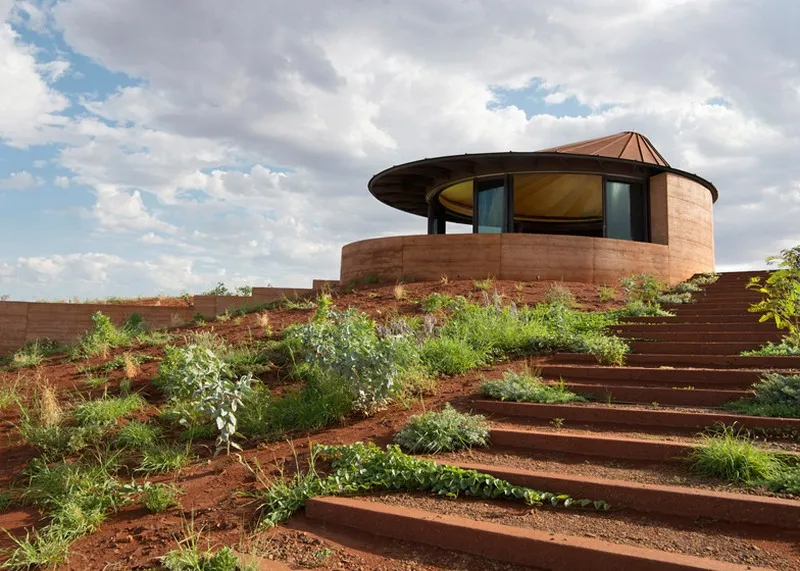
[34, 352]
[560, 294]
[640, 309]
[675, 298]
[450, 356]
[787, 481]
[525, 387]
[785, 348]
[441, 302]
[606, 293]
[774, 395]
[347, 346]
[444, 431]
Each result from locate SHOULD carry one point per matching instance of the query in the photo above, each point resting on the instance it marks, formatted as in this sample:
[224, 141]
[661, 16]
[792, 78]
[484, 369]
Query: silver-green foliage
[444, 431]
[524, 387]
[346, 344]
[195, 374]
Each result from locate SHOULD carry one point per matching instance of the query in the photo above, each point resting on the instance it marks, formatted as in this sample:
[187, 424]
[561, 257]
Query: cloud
[61, 181]
[21, 180]
[244, 139]
[30, 106]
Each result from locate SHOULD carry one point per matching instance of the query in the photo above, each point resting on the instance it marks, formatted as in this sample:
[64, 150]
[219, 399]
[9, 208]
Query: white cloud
[189, 159]
[21, 180]
[29, 104]
[61, 181]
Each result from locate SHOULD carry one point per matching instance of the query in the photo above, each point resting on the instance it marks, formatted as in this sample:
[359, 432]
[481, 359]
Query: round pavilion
[591, 211]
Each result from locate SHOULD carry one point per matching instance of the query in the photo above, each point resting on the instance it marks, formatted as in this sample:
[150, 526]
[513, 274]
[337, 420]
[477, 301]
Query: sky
[151, 147]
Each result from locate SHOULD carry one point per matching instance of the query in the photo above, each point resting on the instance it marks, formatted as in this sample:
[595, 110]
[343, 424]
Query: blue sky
[151, 149]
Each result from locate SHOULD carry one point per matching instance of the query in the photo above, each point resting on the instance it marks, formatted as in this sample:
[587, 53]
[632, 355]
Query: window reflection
[491, 207]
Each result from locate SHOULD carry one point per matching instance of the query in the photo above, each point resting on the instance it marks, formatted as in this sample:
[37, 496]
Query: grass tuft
[107, 410]
[731, 457]
[163, 458]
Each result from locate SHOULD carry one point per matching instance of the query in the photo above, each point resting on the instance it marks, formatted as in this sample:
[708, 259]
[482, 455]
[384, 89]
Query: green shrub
[643, 288]
[640, 309]
[524, 387]
[347, 346]
[781, 294]
[441, 301]
[686, 287]
[33, 353]
[5, 501]
[107, 410]
[775, 395]
[785, 348]
[191, 558]
[606, 293]
[733, 458]
[196, 375]
[160, 497]
[450, 356]
[57, 441]
[675, 298]
[787, 481]
[444, 431]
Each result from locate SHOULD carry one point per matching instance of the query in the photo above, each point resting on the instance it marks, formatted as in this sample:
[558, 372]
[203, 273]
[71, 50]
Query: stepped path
[626, 446]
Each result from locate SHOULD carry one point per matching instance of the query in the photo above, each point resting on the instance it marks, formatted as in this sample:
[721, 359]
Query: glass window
[618, 210]
[625, 211]
[490, 211]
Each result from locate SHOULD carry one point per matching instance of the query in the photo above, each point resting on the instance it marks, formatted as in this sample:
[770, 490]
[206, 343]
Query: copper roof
[408, 186]
[627, 145]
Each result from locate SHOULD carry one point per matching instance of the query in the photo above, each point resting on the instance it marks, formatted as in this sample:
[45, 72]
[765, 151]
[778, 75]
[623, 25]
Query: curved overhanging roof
[627, 154]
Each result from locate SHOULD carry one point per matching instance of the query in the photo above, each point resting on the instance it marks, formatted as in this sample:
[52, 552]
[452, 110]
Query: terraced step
[652, 418]
[668, 326]
[679, 501]
[750, 318]
[591, 445]
[699, 310]
[691, 347]
[670, 377]
[675, 396]
[649, 333]
[509, 544]
[710, 361]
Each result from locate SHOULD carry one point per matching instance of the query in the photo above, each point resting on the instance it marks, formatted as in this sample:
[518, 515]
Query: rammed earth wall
[23, 321]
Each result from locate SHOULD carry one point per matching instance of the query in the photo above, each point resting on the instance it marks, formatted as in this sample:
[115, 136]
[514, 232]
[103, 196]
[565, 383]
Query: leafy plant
[525, 387]
[774, 395]
[436, 301]
[781, 291]
[346, 345]
[643, 288]
[195, 374]
[221, 290]
[785, 348]
[366, 467]
[606, 293]
[444, 431]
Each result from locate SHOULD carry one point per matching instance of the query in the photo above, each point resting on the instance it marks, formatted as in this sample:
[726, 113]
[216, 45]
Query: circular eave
[407, 186]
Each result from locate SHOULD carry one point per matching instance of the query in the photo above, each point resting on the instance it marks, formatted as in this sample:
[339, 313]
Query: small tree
[781, 292]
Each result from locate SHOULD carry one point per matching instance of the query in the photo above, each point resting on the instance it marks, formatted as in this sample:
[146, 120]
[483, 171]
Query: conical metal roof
[627, 145]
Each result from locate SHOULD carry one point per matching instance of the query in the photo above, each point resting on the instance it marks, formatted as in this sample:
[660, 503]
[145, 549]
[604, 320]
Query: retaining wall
[24, 321]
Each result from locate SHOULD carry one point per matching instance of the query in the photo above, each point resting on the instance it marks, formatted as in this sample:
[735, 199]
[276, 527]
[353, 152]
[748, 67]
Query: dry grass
[45, 410]
[130, 366]
[444, 280]
[400, 292]
[262, 320]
